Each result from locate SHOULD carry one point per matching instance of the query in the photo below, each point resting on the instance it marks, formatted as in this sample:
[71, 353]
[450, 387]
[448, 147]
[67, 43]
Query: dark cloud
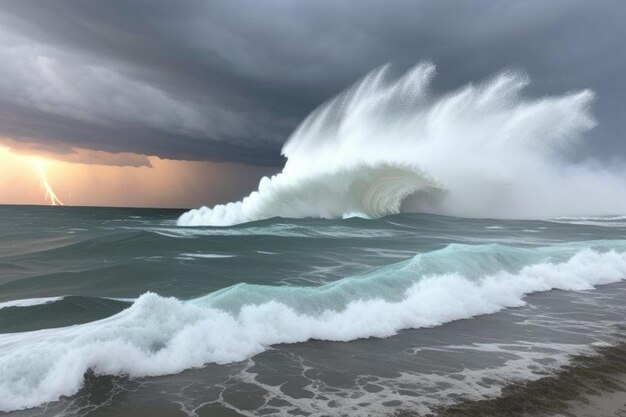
[228, 80]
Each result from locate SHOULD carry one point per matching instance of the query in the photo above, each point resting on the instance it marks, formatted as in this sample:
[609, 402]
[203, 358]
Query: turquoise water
[128, 296]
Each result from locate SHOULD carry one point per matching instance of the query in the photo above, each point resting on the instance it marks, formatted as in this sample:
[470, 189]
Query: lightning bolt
[41, 172]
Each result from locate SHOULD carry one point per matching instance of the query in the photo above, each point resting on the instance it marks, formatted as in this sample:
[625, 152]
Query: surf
[391, 144]
[163, 335]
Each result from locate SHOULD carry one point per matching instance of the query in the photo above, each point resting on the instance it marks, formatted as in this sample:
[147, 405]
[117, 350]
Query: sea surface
[120, 312]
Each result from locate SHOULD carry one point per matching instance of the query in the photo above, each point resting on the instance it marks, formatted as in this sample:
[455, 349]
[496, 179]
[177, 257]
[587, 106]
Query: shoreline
[607, 403]
[591, 385]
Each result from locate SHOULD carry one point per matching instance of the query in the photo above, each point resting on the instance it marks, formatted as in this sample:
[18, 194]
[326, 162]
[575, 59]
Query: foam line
[28, 302]
[158, 335]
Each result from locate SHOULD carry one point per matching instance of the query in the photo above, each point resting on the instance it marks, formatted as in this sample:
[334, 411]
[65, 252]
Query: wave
[29, 302]
[597, 218]
[603, 221]
[33, 302]
[158, 335]
[390, 145]
[360, 190]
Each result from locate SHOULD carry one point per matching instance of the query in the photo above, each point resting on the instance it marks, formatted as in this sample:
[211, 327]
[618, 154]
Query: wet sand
[607, 403]
[590, 386]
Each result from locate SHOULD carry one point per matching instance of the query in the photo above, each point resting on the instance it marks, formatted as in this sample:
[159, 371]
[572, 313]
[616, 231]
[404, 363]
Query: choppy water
[121, 312]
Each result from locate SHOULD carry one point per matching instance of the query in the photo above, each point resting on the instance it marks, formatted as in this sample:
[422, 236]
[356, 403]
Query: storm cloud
[229, 80]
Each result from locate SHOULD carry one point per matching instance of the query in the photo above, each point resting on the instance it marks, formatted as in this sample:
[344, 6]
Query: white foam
[603, 221]
[421, 392]
[594, 218]
[207, 255]
[158, 335]
[352, 215]
[29, 302]
[122, 299]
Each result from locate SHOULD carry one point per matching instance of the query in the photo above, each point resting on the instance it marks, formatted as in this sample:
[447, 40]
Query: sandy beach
[590, 386]
[610, 402]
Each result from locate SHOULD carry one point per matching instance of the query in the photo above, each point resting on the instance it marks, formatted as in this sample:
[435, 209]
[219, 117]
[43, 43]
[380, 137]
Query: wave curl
[390, 144]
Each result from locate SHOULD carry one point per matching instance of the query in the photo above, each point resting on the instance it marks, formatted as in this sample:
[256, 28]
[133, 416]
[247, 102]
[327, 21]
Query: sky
[185, 103]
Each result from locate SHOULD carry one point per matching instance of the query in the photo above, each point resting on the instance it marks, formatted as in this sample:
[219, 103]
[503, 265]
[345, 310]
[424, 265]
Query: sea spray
[159, 335]
[390, 144]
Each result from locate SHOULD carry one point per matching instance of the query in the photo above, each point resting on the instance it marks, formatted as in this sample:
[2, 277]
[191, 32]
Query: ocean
[122, 312]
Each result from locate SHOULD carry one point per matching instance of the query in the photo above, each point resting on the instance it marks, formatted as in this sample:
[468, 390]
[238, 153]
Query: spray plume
[390, 145]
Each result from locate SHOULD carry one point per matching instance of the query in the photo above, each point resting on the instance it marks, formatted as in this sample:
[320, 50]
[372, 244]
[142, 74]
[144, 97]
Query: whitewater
[398, 208]
[390, 144]
[160, 335]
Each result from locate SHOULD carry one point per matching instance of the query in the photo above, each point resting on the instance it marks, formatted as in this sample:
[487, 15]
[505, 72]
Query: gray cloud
[228, 80]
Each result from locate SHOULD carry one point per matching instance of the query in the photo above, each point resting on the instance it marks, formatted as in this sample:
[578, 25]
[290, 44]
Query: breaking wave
[158, 335]
[390, 144]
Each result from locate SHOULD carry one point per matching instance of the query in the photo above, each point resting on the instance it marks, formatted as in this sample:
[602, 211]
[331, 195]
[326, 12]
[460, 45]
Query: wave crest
[494, 152]
[158, 335]
[369, 190]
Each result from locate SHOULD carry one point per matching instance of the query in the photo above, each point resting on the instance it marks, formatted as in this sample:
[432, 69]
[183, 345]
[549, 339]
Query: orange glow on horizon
[149, 182]
[40, 167]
